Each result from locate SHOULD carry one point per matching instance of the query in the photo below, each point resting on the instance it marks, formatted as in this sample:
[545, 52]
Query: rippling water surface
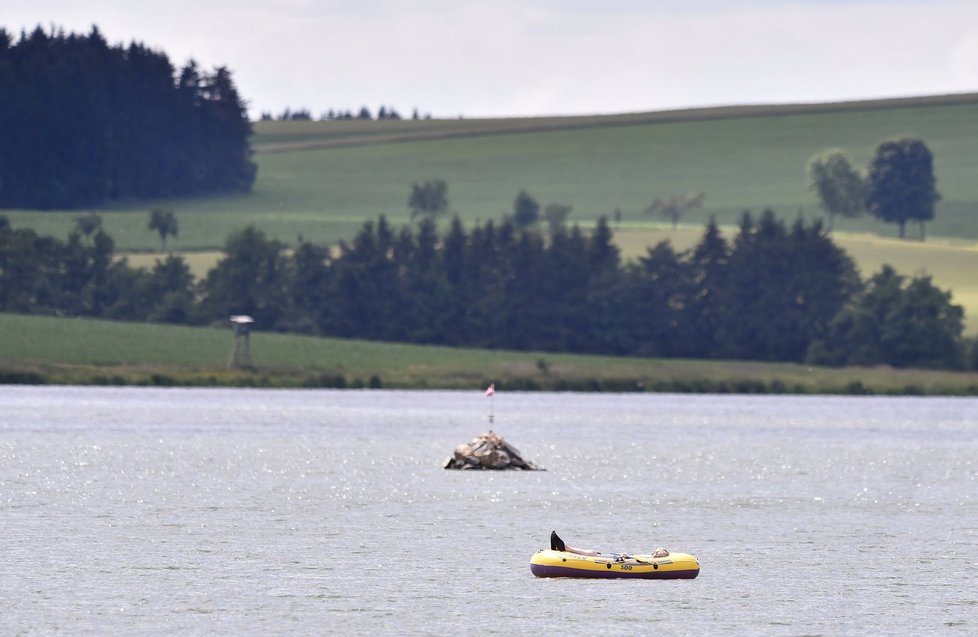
[193, 511]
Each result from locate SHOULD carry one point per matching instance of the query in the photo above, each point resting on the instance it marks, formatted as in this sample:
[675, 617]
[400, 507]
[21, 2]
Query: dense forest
[774, 292]
[83, 122]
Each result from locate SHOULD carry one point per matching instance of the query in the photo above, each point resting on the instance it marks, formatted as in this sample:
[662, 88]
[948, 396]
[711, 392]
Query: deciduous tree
[526, 210]
[429, 199]
[164, 222]
[250, 279]
[674, 207]
[555, 214]
[896, 322]
[88, 224]
[840, 188]
[902, 186]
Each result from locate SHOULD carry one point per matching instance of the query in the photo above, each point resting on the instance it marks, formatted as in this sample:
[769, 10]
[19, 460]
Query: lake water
[232, 512]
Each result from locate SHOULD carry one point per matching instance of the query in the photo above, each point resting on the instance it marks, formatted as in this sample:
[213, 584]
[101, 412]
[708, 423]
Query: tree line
[897, 187]
[84, 122]
[774, 292]
[304, 114]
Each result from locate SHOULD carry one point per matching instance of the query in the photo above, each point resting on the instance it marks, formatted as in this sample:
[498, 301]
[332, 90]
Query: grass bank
[46, 350]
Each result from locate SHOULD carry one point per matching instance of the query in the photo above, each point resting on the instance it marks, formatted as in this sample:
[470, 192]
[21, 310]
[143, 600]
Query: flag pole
[491, 393]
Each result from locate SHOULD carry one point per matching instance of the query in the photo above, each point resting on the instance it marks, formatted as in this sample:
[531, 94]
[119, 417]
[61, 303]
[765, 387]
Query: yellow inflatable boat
[551, 563]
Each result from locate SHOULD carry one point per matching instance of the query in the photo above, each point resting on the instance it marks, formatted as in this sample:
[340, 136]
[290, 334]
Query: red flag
[491, 389]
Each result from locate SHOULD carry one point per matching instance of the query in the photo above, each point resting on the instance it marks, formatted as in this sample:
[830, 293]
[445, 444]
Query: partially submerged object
[488, 451]
[552, 563]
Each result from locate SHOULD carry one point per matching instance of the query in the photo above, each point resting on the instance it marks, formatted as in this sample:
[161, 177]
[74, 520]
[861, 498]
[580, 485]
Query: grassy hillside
[46, 349]
[320, 180]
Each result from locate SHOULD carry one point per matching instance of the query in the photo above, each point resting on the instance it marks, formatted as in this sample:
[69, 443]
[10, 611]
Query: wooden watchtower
[241, 350]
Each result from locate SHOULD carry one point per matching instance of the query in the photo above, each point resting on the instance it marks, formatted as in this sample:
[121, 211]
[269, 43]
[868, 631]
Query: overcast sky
[544, 57]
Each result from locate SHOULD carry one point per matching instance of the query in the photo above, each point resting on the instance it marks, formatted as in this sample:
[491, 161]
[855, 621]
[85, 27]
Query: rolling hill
[321, 180]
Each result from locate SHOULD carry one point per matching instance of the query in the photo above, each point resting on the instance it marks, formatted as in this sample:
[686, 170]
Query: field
[80, 351]
[320, 180]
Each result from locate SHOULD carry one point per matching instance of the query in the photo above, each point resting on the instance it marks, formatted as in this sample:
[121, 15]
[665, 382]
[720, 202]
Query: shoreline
[877, 381]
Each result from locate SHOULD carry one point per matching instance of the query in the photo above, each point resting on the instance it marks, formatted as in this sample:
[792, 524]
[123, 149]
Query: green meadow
[40, 349]
[320, 180]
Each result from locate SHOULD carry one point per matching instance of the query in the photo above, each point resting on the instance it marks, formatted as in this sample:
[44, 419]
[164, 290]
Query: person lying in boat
[558, 544]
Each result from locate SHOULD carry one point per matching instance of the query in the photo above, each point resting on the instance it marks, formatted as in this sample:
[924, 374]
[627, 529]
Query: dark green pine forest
[83, 122]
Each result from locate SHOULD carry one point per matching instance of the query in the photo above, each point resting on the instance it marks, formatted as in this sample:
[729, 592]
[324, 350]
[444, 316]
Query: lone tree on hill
[429, 199]
[675, 206]
[901, 185]
[841, 189]
[88, 224]
[526, 210]
[165, 223]
[556, 215]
